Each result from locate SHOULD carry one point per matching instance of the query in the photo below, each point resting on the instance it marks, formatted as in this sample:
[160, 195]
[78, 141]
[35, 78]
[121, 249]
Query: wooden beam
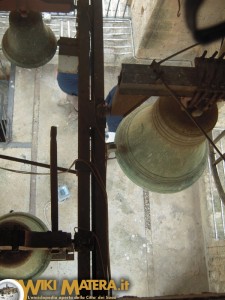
[204, 83]
[37, 5]
[143, 80]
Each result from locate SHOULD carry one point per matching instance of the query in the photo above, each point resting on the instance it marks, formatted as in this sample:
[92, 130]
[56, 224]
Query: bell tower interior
[163, 243]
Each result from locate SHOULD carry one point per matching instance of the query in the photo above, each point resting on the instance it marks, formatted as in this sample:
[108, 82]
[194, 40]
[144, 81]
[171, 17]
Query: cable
[97, 176]
[99, 248]
[107, 222]
[179, 52]
[98, 130]
[23, 172]
[102, 185]
[107, 271]
[36, 173]
[73, 163]
[193, 120]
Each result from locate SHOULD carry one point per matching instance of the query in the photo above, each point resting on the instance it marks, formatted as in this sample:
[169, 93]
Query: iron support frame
[91, 167]
[100, 254]
[84, 224]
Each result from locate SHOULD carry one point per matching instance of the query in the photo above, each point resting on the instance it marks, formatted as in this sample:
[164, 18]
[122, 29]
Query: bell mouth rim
[138, 174]
[28, 215]
[169, 184]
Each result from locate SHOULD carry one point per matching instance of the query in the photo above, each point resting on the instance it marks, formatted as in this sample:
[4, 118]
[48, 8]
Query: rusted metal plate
[37, 5]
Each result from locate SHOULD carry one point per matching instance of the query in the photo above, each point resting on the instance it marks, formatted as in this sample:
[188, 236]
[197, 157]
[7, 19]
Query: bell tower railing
[217, 185]
[116, 9]
[6, 108]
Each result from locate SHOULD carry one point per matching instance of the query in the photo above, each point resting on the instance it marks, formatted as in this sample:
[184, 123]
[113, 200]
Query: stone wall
[159, 30]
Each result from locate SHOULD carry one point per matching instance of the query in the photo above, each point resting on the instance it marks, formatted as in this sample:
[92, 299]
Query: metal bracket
[60, 244]
[62, 255]
[83, 241]
[81, 167]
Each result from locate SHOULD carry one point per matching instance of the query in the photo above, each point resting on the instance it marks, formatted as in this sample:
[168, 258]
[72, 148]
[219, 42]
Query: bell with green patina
[160, 148]
[23, 264]
[28, 42]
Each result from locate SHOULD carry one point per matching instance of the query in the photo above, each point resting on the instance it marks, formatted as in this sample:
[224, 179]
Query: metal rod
[215, 174]
[179, 52]
[54, 179]
[118, 2]
[100, 254]
[212, 195]
[218, 160]
[126, 5]
[84, 264]
[220, 136]
[221, 202]
[108, 8]
[196, 98]
[34, 163]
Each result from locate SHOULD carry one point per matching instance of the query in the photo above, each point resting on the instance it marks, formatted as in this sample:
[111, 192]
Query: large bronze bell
[160, 149]
[28, 42]
[23, 264]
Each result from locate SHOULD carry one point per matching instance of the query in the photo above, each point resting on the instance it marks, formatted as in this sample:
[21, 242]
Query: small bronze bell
[160, 149]
[28, 42]
[23, 264]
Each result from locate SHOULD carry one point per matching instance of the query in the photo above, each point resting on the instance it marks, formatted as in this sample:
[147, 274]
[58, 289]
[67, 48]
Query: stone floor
[156, 241]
